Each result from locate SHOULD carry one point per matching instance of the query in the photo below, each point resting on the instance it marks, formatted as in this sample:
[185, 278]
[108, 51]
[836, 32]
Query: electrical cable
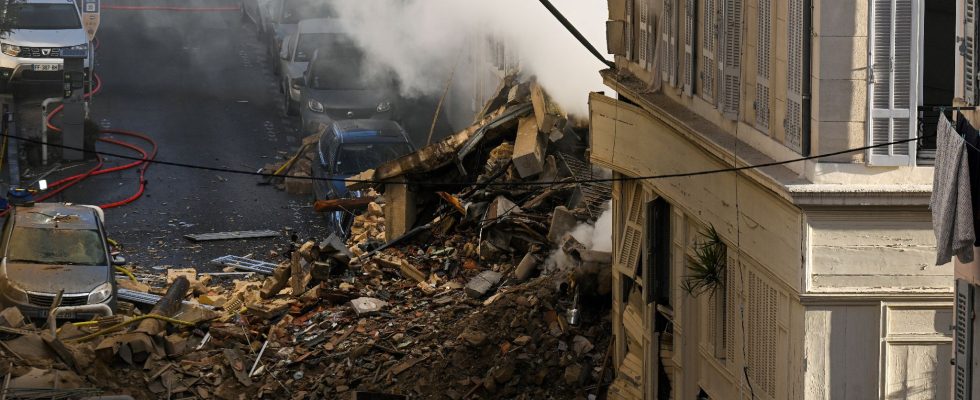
[496, 184]
[574, 31]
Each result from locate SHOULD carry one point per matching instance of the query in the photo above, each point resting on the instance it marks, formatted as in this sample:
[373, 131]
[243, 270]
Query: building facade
[828, 287]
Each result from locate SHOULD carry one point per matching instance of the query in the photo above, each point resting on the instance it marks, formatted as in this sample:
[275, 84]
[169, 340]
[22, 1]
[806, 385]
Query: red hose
[143, 162]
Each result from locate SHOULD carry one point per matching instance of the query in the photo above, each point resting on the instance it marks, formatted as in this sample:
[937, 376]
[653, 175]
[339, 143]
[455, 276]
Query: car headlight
[14, 293]
[83, 47]
[384, 106]
[314, 105]
[100, 294]
[9, 49]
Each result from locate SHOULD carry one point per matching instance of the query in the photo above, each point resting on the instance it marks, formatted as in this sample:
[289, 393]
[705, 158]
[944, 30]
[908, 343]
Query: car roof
[320, 25]
[368, 130]
[42, 215]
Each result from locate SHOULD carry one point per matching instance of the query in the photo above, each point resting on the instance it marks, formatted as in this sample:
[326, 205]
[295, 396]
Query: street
[201, 85]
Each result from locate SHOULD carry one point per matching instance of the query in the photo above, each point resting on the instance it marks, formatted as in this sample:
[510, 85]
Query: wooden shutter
[690, 40]
[763, 52]
[793, 124]
[709, 47]
[630, 32]
[669, 42]
[732, 58]
[632, 243]
[968, 50]
[731, 303]
[893, 80]
[963, 341]
[644, 34]
[762, 334]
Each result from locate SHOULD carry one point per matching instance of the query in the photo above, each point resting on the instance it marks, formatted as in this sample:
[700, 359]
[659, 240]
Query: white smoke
[421, 40]
[597, 236]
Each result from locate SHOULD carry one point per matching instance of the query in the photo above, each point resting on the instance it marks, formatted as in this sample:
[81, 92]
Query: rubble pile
[440, 291]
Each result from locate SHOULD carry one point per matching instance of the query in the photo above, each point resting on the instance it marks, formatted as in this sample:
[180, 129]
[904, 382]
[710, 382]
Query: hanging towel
[951, 202]
[972, 138]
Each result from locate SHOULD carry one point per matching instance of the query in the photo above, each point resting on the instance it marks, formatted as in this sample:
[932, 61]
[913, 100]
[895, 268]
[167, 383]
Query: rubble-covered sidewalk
[443, 290]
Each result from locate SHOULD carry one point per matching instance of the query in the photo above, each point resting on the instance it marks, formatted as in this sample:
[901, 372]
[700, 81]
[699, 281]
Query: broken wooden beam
[358, 203]
[168, 305]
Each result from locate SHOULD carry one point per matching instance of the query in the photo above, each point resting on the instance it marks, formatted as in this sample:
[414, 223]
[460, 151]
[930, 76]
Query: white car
[42, 29]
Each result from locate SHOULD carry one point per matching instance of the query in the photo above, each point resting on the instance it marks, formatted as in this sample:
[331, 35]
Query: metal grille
[45, 300]
[42, 76]
[39, 52]
[595, 194]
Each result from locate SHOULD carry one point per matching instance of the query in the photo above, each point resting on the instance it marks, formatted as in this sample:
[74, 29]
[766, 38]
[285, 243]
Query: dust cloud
[421, 40]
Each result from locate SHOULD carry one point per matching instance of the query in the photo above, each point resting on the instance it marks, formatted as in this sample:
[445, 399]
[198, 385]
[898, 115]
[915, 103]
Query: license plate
[47, 67]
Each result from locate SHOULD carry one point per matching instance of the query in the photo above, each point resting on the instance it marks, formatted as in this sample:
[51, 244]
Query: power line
[472, 183]
[578, 35]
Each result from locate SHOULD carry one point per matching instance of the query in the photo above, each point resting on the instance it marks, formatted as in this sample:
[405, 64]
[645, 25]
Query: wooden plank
[203, 237]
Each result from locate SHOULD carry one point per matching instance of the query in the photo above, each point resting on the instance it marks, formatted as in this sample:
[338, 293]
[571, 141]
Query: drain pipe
[95, 308]
[807, 68]
[44, 127]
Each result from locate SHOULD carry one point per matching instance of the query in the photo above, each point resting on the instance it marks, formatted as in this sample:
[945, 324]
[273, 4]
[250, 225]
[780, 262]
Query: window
[690, 42]
[668, 37]
[763, 52]
[645, 33]
[892, 79]
[658, 252]
[709, 42]
[56, 246]
[46, 16]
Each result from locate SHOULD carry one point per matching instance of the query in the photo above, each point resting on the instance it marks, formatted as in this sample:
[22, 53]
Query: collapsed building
[465, 274]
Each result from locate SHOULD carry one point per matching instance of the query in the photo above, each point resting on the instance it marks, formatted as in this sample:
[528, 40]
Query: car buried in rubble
[350, 147]
[51, 248]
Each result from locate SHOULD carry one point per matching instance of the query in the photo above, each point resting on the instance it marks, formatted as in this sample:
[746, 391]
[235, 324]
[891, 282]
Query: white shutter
[690, 16]
[732, 58]
[763, 52]
[644, 34]
[963, 341]
[793, 124]
[669, 42]
[629, 254]
[968, 51]
[709, 47]
[893, 80]
[762, 309]
[731, 303]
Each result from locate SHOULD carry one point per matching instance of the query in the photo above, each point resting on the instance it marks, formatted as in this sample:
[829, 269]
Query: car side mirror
[118, 260]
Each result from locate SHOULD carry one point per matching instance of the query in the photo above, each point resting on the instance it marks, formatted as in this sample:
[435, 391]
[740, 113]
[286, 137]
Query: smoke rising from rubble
[422, 40]
[596, 236]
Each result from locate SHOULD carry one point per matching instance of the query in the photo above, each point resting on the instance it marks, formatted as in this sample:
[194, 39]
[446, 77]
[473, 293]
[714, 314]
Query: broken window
[658, 253]
[56, 246]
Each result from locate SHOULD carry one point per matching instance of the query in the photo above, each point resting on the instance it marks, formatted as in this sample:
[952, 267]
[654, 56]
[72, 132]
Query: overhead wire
[471, 183]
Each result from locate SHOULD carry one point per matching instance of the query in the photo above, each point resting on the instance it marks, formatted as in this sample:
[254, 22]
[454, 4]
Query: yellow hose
[131, 321]
[127, 272]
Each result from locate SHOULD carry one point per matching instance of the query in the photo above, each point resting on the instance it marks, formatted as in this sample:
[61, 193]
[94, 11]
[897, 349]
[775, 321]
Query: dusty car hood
[52, 278]
[46, 37]
[348, 99]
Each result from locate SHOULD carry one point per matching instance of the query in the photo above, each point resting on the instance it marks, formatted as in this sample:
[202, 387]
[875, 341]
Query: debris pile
[438, 290]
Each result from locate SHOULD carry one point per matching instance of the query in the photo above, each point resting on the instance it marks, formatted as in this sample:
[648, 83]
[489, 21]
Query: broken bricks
[482, 284]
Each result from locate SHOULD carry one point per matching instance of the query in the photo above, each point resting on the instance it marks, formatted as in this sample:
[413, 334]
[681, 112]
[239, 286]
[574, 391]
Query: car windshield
[354, 158]
[56, 246]
[309, 42]
[345, 71]
[46, 16]
[294, 11]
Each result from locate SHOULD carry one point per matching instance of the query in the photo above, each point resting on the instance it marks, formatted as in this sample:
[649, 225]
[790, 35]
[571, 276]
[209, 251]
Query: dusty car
[284, 18]
[348, 148]
[296, 53]
[337, 86]
[50, 247]
[41, 31]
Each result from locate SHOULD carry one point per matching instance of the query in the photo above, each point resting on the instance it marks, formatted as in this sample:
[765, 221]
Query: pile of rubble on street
[442, 290]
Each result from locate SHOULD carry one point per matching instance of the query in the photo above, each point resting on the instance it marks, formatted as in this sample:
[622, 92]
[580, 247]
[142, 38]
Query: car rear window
[45, 16]
[354, 158]
[56, 246]
[309, 42]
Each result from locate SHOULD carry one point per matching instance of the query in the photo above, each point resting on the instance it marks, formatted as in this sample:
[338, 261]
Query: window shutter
[968, 51]
[963, 341]
[732, 58]
[669, 42]
[632, 243]
[690, 40]
[630, 32]
[762, 334]
[763, 61]
[645, 56]
[894, 58]
[793, 124]
[709, 47]
[731, 300]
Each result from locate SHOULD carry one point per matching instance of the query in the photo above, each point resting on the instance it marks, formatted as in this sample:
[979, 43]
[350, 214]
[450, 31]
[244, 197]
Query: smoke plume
[421, 40]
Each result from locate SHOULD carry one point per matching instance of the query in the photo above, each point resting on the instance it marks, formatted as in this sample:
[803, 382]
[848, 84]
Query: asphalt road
[200, 84]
